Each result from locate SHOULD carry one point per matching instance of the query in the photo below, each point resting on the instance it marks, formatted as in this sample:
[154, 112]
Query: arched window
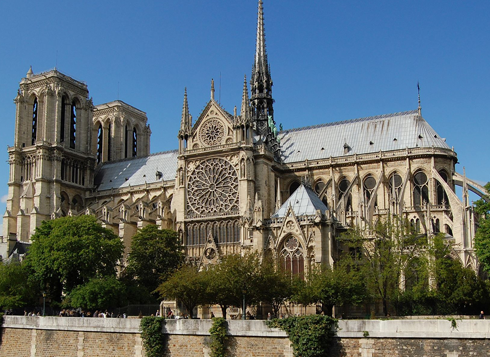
[73, 125]
[395, 187]
[63, 118]
[420, 189]
[34, 121]
[109, 143]
[135, 143]
[442, 198]
[292, 257]
[321, 192]
[126, 142]
[368, 187]
[100, 139]
[293, 187]
[237, 233]
[343, 187]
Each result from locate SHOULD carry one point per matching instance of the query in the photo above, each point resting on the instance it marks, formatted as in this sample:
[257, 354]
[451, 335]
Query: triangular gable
[210, 253]
[303, 202]
[218, 111]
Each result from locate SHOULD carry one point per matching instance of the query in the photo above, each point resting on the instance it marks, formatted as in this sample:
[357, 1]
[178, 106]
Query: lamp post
[44, 302]
[244, 307]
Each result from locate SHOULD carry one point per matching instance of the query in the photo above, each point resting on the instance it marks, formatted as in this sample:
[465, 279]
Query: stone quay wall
[93, 337]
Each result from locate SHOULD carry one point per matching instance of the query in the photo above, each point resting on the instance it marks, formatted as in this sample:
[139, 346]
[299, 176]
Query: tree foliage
[155, 255]
[15, 290]
[381, 258]
[187, 285]
[311, 336]
[482, 236]
[101, 293]
[330, 287]
[152, 335]
[70, 251]
[234, 278]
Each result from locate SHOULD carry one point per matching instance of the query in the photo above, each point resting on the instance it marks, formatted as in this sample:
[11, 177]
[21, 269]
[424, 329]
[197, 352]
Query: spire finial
[29, 72]
[212, 89]
[260, 52]
[244, 109]
[418, 91]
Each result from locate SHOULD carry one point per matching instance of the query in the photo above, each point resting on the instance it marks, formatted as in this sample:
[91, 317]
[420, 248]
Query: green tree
[482, 236]
[187, 285]
[155, 255]
[274, 285]
[70, 251]
[330, 287]
[381, 256]
[234, 278]
[15, 290]
[102, 293]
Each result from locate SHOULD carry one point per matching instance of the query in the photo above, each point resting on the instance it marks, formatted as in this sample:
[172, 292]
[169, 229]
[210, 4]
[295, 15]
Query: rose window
[213, 188]
[212, 132]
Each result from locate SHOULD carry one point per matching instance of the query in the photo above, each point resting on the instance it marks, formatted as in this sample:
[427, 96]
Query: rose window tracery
[213, 188]
[212, 132]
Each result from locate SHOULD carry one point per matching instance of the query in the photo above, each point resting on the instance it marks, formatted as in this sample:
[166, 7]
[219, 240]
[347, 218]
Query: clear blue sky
[330, 61]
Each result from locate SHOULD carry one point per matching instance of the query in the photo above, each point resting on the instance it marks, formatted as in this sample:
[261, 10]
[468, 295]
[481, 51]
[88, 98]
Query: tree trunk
[223, 310]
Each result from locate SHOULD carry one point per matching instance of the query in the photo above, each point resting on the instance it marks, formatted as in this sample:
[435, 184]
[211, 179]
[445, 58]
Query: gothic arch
[291, 255]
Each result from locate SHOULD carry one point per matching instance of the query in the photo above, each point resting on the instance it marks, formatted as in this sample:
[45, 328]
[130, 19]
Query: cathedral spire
[212, 89]
[185, 123]
[245, 108]
[261, 81]
[260, 63]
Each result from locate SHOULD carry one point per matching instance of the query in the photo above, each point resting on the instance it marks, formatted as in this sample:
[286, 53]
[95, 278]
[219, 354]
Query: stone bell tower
[51, 166]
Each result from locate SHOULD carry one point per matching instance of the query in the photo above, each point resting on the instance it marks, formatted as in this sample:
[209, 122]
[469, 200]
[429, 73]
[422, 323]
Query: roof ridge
[382, 116]
[139, 157]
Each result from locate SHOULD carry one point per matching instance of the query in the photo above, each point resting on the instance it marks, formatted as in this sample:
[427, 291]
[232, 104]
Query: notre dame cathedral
[236, 182]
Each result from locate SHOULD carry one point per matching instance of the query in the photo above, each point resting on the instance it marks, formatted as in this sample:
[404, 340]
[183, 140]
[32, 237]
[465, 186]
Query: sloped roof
[137, 171]
[360, 136]
[303, 201]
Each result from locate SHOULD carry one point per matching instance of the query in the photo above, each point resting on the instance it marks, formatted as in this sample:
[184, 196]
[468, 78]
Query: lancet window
[442, 198]
[135, 143]
[368, 188]
[224, 232]
[63, 118]
[34, 121]
[100, 139]
[420, 189]
[73, 125]
[395, 183]
[342, 191]
[292, 258]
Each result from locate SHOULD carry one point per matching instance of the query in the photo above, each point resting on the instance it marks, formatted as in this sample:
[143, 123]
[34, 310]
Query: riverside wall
[93, 337]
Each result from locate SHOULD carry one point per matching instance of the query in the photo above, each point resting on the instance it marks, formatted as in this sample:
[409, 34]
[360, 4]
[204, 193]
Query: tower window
[109, 143]
[126, 142]
[100, 138]
[62, 119]
[135, 143]
[73, 125]
[34, 121]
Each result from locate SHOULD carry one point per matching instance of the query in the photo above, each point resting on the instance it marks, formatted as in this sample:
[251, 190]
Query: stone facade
[55, 336]
[229, 187]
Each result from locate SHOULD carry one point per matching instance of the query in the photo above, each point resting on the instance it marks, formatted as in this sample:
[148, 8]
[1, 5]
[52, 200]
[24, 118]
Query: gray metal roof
[365, 135]
[137, 171]
[303, 201]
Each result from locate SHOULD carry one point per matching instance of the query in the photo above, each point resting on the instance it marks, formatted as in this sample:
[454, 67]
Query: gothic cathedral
[236, 182]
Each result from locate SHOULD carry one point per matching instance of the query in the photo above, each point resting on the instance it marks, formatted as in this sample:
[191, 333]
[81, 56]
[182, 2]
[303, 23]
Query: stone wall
[83, 337]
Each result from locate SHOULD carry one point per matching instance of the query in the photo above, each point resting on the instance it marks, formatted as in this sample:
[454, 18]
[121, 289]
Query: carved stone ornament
[212, 132]
[213, 188]
[210, 253]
